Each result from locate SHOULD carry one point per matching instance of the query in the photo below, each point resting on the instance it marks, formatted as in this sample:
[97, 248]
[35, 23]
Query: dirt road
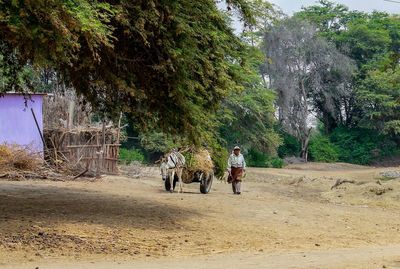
[358, 258]
[287, 218]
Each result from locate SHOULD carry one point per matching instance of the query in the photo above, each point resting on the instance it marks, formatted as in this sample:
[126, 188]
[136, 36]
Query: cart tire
[206, 183]
[167, 184]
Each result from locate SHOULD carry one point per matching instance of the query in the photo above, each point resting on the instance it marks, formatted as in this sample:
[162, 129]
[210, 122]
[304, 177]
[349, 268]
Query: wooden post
[118, 142]
[71, 110]
[119, 128]
[103, 130]
[98, 172]
[100, 157]
[40, 132]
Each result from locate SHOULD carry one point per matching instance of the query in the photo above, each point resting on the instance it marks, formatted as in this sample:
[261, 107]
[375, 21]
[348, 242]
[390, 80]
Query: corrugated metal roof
[19, 93]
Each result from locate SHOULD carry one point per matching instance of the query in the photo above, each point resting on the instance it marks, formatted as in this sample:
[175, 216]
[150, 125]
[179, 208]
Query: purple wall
[17, 125]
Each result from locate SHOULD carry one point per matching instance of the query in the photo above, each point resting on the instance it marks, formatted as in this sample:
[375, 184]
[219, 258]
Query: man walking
[236, 167]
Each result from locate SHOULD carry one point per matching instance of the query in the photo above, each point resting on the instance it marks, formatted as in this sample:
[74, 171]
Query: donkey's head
[164, 168]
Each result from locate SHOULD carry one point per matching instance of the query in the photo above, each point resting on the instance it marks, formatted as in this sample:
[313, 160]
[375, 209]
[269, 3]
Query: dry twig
[342, 181]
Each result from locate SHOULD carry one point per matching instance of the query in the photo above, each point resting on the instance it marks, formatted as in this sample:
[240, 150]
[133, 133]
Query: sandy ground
[285, 218]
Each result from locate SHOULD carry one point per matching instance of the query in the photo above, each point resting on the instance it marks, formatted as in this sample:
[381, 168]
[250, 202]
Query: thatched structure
[74, 142]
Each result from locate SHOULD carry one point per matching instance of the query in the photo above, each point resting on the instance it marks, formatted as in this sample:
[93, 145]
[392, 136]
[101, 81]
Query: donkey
[172, 164]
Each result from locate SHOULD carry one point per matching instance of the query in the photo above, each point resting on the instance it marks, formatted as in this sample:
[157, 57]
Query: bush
[277, 163]
[219, 157]
[322, 150]
[362, 146]
[128, 156]
[290, 147]
[257, 158]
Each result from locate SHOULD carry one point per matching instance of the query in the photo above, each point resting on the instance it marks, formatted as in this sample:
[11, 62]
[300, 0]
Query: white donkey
[173, 164]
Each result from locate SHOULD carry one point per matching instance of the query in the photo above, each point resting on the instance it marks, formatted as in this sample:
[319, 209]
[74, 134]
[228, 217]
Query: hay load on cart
[199, 168]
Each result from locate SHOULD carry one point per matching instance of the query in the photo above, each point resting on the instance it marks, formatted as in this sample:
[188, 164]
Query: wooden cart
[205, 178]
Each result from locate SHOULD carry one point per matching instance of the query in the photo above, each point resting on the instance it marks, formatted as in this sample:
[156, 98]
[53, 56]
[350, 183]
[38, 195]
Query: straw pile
[199, 160]
[14, 157]
[21, 163]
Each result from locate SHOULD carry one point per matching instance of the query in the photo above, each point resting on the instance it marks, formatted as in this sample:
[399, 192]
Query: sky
[290, 6]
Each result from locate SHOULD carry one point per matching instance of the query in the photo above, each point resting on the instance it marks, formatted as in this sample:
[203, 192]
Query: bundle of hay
[22, 163]
[198, 159]
[18, 158]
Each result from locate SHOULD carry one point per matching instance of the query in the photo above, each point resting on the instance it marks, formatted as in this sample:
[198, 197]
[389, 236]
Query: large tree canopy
[165, 63]
[372, 40]
[379, 96]
[307, 72]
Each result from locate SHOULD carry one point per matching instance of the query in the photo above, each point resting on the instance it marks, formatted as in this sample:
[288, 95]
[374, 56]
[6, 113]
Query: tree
[370, 40]
[164, 63]
[247, 118]
[380, 101]
[307, 72]
[330, 18]
[264, 14]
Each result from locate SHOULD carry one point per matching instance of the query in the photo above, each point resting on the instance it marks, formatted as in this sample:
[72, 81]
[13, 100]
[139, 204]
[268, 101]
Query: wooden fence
[92, 149]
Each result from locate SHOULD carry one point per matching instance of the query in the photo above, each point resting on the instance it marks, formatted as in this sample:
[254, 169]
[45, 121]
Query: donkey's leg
[171, 180]
[179, 173]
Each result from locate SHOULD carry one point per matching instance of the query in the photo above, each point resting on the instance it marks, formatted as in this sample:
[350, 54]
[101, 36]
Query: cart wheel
[167, 184]
[206, 182]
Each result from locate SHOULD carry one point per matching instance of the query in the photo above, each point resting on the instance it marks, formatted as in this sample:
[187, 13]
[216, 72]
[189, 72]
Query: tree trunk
[329, 122]
[304, 145]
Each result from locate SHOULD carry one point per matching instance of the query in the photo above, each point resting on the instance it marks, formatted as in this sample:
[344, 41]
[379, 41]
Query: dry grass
[15, 157]
[22, 163]
[200, 159]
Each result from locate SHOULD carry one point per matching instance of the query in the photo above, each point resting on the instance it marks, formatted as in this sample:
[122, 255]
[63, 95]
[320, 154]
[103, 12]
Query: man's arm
[229, 162]
[244, 163]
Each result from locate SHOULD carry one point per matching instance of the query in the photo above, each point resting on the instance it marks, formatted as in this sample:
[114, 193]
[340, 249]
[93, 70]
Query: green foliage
[158, 142]
[379, 97]
[367, 39]
[372, 40]
[362, 146]
[128, 156]
[219, 156]
[308, 73]
[264, 14]
[277, 163]
[327, 15]
[166, 64]
[290, 146]
[322, 150]
[15, 76]
[255, 158]
[247, 117]
[55, 31]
